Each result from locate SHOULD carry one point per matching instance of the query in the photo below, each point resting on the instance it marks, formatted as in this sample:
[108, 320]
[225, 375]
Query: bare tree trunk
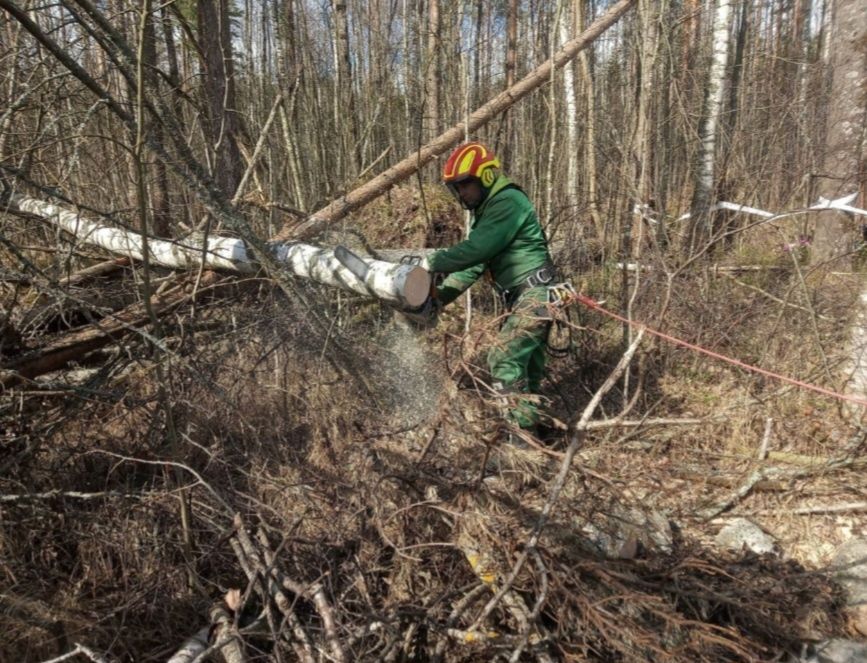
[546, 211]
[171, 51]
[288, 34]
[511, 43]
[344, 97]
[290, 145]
[407, 72]
[691, 41]
[845, 160]
[60, 352]
[799, 37]
[648, 11]
[477, 52]
[726, 218]
[590, 128]
[432, 78]
[573, 189]
[15, 100]
[700, 225]
[157, 170]
[222, 124]
[289, 78]
[511, 70]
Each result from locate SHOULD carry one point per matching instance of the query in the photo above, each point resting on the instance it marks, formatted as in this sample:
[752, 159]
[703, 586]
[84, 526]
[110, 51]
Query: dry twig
[576, 431]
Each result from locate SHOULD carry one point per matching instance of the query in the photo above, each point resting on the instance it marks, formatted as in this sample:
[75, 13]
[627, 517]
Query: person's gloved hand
[425, 316]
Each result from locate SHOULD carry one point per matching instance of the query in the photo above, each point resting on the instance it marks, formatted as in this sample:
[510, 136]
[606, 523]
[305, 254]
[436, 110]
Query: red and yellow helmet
[471, 160]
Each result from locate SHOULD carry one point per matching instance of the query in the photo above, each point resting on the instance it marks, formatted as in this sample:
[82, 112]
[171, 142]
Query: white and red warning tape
[840, 204]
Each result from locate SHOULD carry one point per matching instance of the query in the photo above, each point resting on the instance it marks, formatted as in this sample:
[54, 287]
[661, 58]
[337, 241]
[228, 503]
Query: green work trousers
[517, 360]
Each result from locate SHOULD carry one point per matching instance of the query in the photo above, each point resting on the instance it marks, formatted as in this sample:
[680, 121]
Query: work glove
[425, 316]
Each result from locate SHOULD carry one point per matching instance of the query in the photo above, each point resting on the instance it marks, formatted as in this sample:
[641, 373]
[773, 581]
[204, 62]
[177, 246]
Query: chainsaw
[425, 315]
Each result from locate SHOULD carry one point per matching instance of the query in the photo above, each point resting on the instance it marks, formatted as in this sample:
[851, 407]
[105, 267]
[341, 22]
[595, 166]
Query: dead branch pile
[267, 488]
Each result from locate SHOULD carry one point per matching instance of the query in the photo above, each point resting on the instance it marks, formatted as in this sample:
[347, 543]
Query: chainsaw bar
[352, 262]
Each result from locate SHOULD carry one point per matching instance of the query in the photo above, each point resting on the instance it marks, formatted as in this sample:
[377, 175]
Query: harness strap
[542, 276]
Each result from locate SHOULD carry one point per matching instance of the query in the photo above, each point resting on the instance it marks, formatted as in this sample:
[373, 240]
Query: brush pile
[273, 475]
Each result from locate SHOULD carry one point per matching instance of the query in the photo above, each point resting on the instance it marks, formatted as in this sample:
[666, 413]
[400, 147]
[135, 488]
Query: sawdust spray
[411, 378]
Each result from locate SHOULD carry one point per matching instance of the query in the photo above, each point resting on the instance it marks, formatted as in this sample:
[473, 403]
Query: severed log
[220, 252]
[52, 312]
[44, 310]
[359, 197]
[405, 286]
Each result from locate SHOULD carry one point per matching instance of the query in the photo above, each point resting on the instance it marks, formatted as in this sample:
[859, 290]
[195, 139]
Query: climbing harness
[559, 296]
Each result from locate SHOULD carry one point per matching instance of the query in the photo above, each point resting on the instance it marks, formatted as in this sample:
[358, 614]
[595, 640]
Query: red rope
[591, 303]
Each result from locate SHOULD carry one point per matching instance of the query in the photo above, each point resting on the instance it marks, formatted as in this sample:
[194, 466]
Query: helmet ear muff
[487, 177]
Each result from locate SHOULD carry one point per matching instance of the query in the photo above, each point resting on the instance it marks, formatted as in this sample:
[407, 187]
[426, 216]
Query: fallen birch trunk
[221, 252]
[405, 286]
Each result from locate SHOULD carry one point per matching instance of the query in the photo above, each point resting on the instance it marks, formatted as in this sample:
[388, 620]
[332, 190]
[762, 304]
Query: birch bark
[844, 168]
[405, 286]
[573, 193]
[702, 197]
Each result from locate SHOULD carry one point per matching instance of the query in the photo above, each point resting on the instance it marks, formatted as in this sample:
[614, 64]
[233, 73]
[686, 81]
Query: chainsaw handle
[411, 259]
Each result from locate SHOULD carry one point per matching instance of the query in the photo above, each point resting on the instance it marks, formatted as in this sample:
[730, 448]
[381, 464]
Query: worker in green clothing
[506, 239]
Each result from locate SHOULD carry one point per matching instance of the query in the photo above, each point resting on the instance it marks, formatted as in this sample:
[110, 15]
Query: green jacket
[505, 237]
